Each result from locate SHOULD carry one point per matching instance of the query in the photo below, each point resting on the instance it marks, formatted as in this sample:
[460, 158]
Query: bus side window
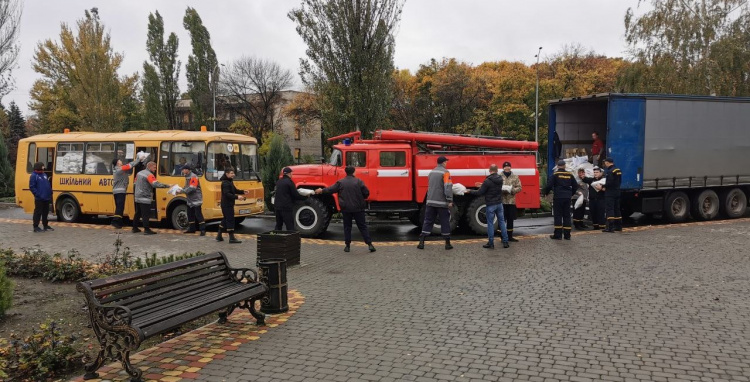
[32, 158]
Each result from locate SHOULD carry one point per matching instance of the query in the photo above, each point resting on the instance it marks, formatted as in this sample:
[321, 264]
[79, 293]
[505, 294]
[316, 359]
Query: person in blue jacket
[40, 186]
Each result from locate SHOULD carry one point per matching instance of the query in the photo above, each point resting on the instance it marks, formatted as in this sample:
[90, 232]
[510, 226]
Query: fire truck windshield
[335, 158]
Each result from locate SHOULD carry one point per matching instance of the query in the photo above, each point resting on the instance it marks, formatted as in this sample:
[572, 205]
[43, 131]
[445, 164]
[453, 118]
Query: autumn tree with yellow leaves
[80, 87]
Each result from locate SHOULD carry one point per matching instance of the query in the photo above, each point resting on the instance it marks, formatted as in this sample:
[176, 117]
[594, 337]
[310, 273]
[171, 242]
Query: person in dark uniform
[580, 212]
[612, 196]
[562, 184]
[229, 194]
[352, 194]
[286, 195]
[596, 199]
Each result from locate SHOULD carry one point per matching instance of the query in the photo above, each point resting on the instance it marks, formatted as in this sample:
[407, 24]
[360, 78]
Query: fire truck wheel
[310, 217]
[476, 216]
[436, 226]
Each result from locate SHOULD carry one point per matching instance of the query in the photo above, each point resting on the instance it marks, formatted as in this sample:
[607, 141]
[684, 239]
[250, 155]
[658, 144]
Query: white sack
[579, 202]
[174, 190]
[507, 188]
[142, 156]
[305, 191]
[459, 189]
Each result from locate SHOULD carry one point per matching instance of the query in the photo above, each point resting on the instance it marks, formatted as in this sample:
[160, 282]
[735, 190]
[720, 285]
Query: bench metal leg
[260, 318]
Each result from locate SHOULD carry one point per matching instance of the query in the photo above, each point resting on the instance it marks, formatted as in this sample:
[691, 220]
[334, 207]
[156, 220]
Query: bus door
[153, 152]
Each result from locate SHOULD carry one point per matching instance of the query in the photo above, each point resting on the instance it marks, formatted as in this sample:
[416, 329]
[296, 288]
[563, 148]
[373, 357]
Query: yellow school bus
[79, 165]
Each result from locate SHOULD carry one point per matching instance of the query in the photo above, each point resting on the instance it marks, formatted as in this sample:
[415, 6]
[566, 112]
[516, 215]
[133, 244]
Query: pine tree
[7, 179]
[16, 129]
[279, 156]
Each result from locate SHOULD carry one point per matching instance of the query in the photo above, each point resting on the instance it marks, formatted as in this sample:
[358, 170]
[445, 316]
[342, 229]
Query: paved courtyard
[667, 303]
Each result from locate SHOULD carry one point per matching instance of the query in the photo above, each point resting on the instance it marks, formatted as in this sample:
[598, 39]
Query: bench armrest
[109, 316]
[241, 274]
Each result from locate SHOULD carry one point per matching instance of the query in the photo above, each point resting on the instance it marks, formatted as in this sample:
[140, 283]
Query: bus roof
[141, 135]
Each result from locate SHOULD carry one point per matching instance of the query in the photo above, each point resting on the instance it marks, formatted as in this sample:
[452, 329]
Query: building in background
[304, 141]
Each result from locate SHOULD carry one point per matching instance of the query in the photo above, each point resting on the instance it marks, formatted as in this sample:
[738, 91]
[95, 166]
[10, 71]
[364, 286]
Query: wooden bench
[129, 308]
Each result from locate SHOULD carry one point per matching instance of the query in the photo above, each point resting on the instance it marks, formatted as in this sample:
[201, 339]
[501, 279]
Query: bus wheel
[239, 220]
[476, 216]
[733, 203]
[179, 217]
[310, 217]
[677, 207]
[414, 218]
[705, 205]
[68, 210]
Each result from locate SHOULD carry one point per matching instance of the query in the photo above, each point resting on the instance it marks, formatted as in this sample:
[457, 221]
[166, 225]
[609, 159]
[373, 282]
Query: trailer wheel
[705, 205]
[310, 217]
[476, 216]
[436, 225]
[733, 203]
[677, 207]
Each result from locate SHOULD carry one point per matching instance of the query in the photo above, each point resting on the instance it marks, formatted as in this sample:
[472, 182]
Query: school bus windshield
[240, 156]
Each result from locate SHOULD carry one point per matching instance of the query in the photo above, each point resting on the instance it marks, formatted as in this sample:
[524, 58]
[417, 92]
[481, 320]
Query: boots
[618, 225]
[609, 228]
[510, 236]
[191, 228]
[218, 235]
[566, 233]
[489, 245]
[371, 247]
[203, 229]
[421, 242]
[557, 235]
[232, 239]
[448, 243]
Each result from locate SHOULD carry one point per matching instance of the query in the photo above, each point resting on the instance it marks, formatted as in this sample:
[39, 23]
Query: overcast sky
[474, 31]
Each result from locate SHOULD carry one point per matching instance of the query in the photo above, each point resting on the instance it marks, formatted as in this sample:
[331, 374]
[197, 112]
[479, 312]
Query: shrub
[545, 206]
[71, 268]
[6, 291]
[43, 355]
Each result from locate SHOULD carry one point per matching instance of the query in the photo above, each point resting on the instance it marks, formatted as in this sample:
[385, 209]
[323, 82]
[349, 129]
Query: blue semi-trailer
[680, 155]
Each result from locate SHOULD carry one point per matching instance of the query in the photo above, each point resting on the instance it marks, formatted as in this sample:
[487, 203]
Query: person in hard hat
[509, 197]
[562, 184]
[284, 198]
[352, 194]
[439, 203]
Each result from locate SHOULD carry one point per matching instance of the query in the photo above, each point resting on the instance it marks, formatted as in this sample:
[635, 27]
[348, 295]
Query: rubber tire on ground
[239, 220]
[476, 216]
[705, 205]
[310, 217]
[733, 203]
[677, 207]
[73, 210]
[179, 218]
[455, 216]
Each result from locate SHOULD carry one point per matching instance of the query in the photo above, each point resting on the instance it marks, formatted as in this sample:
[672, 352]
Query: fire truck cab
[394, 166]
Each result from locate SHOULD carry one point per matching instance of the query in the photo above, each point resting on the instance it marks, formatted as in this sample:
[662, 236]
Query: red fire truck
[394, 165]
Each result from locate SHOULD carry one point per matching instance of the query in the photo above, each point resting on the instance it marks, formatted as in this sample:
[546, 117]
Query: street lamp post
[536, 112]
